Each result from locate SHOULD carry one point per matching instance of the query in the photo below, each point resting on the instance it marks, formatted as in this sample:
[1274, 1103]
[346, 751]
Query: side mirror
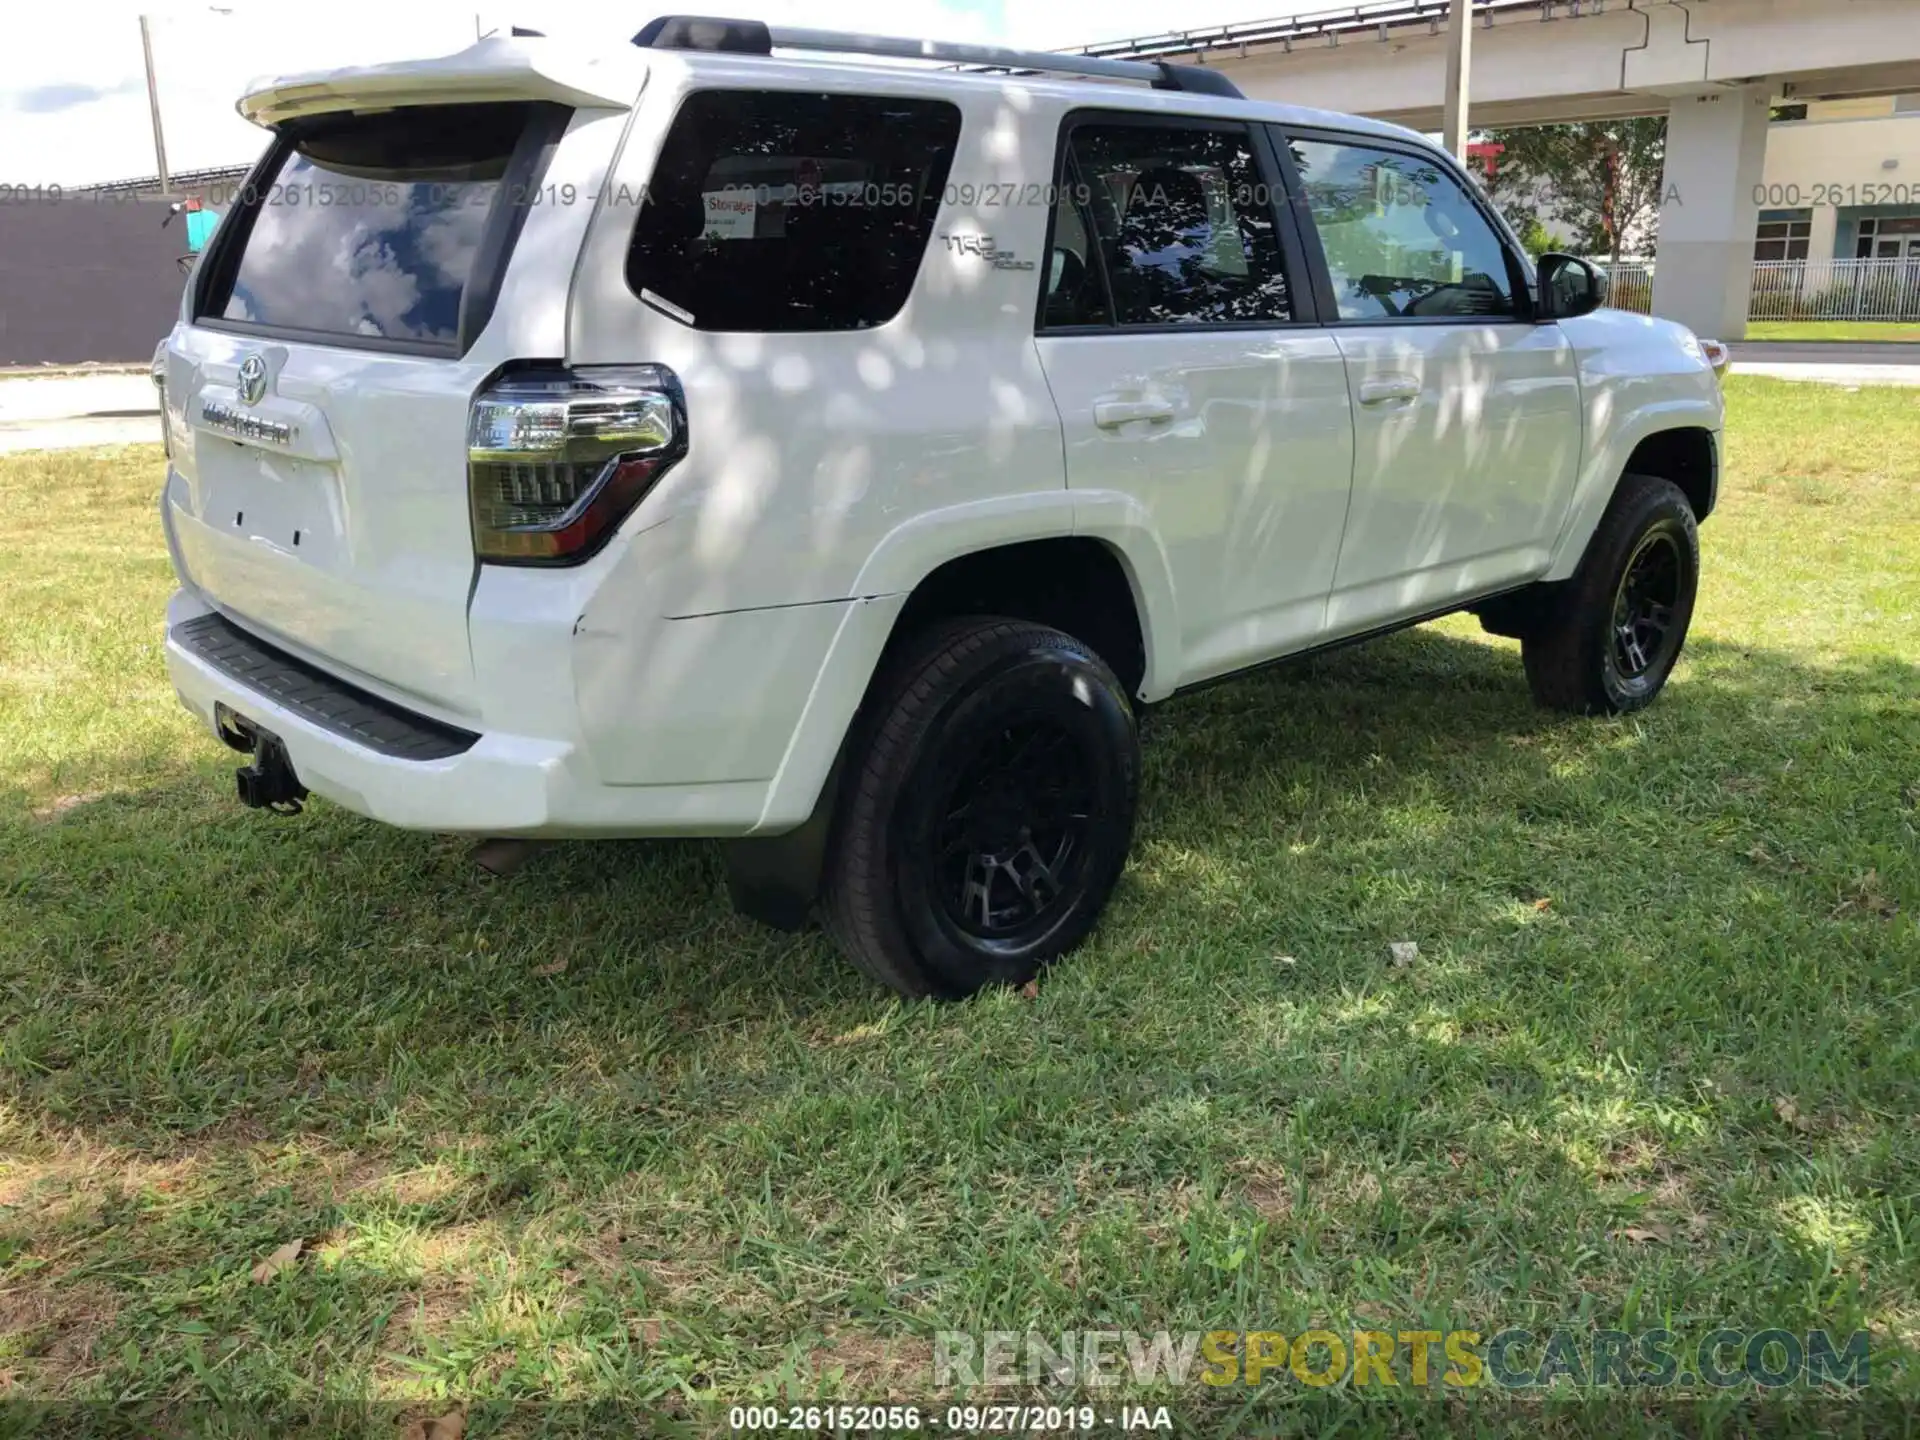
[1569, 287]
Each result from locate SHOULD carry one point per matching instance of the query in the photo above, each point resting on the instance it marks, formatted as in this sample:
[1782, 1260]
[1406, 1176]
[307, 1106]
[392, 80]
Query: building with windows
[1842, 181]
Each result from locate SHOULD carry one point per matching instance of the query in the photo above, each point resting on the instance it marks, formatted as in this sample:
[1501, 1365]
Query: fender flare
[1600, 476]
[912, 551]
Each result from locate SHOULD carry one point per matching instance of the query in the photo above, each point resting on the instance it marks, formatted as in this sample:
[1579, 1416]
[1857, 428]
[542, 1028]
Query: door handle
[1112, 414]
[1391, 388]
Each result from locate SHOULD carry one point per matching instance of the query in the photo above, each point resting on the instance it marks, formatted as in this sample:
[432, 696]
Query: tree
[1599, 179]
[1537, 238]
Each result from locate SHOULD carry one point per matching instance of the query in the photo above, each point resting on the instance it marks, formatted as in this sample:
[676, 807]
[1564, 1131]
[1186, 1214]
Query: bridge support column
[1716, 159]
[1459, 77]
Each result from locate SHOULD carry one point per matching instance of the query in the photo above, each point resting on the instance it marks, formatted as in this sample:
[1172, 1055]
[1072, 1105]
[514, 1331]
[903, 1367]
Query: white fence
[1630, 285]
[1798, 289]
[1835, 290]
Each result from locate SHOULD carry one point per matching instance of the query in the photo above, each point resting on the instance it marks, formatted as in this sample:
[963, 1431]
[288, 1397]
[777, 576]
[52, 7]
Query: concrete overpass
[1713, 67]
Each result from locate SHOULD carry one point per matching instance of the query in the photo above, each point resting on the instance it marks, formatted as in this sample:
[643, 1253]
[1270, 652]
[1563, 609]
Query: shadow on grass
[1656, 1063]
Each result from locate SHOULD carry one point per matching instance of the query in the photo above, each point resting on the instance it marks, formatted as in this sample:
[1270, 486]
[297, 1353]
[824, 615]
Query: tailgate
[331, 512]
[358, 296]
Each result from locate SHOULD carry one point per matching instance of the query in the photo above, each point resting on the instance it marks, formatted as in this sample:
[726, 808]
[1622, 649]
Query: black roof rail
[1197, 79]
[705, 32]
[756, 37]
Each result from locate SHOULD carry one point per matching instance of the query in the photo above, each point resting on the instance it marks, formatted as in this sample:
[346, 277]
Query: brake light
[558, 457]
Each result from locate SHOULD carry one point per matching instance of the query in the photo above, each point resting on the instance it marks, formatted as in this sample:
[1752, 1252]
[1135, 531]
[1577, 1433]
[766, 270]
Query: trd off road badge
[982, 247]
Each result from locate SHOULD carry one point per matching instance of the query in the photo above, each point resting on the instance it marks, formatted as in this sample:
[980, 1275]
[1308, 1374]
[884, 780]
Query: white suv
[832, 455]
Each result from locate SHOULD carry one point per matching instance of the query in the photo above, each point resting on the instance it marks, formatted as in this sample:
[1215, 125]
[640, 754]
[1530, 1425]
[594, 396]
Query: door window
[1076, 292]
[1402, 237]
[1164, 225]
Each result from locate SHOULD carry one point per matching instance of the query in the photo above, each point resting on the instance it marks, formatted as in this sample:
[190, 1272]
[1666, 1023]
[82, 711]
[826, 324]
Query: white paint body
[698, 674]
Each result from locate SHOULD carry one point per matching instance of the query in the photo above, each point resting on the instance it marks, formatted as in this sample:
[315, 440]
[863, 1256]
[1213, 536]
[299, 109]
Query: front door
[1171, 336]
[1467, 423]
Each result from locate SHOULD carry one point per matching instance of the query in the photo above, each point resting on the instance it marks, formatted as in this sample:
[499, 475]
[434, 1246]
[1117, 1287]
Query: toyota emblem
[253, 379]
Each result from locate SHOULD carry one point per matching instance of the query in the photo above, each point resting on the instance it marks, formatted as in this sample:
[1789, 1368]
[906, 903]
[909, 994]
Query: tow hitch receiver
[269, 782]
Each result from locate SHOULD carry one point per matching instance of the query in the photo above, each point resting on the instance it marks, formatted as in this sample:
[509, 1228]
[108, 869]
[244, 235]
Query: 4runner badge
[983, 247]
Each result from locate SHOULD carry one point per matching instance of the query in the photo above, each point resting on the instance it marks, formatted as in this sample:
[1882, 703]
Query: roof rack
[756, 37]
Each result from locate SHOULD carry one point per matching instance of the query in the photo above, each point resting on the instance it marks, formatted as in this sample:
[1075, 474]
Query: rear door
[1177, 337]
[1467, 422]
[359, 293]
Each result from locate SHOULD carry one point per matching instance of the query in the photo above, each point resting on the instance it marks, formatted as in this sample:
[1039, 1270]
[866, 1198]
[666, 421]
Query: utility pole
[153, 104]
[1459, 67]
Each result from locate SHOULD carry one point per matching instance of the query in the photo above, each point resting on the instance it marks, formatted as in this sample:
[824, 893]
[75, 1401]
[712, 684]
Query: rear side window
[372, 227]
[1164, 226]
[777, 210]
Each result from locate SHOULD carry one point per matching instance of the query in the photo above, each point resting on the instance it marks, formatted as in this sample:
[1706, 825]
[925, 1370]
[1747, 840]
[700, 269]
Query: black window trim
[1520, 275]
[809, 86]
[519, 191]
[1301, 292]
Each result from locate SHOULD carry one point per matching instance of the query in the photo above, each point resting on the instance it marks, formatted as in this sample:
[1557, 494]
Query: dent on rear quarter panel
[703, 699]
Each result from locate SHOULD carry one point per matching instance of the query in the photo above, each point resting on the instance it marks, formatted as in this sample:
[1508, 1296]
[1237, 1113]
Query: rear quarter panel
[817, 462]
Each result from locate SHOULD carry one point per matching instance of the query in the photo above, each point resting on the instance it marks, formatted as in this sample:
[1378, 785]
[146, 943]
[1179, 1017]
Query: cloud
[51, 99]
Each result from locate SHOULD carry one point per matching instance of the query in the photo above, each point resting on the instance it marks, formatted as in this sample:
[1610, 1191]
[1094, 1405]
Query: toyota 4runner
[832, 455]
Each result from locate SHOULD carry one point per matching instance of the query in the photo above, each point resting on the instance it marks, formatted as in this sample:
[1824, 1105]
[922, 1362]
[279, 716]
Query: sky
[73, 99]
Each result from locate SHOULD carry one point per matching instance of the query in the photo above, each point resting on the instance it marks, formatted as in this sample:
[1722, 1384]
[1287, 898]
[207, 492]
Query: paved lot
[1827, 352]
[1830, 362]
[61, 412]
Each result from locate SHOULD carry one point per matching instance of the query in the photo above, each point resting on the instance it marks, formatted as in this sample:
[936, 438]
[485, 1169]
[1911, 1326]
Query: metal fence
[1630, 285]
[1835, 290]
[1797, 289]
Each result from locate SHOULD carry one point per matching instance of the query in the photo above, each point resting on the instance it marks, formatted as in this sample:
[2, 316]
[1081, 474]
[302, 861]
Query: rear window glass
[371, 224]
[776, 210]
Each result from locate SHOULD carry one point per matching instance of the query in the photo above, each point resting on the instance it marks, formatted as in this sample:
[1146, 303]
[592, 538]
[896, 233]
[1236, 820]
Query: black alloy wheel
[988, 811]
[1644, 606]
[1013, 840]
[1605, 641]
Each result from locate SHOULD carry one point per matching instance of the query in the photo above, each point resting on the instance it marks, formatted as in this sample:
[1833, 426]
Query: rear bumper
[748, 709]
[502, 784]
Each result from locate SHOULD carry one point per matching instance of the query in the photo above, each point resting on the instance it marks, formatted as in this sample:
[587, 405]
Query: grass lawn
[581, 1135]
[1882, 330]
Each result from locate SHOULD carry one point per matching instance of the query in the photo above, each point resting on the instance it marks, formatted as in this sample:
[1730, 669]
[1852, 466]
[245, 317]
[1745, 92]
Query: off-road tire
[1578, 657]
[979, 684]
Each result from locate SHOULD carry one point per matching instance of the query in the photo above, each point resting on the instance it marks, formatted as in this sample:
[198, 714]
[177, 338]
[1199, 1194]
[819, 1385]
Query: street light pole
[153, 104]
[1459, 65]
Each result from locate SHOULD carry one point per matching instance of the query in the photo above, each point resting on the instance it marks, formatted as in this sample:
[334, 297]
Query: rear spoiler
[488, 70]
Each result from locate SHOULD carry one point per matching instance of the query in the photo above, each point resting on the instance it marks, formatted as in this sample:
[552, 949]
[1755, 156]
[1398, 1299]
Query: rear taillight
[557, 457]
